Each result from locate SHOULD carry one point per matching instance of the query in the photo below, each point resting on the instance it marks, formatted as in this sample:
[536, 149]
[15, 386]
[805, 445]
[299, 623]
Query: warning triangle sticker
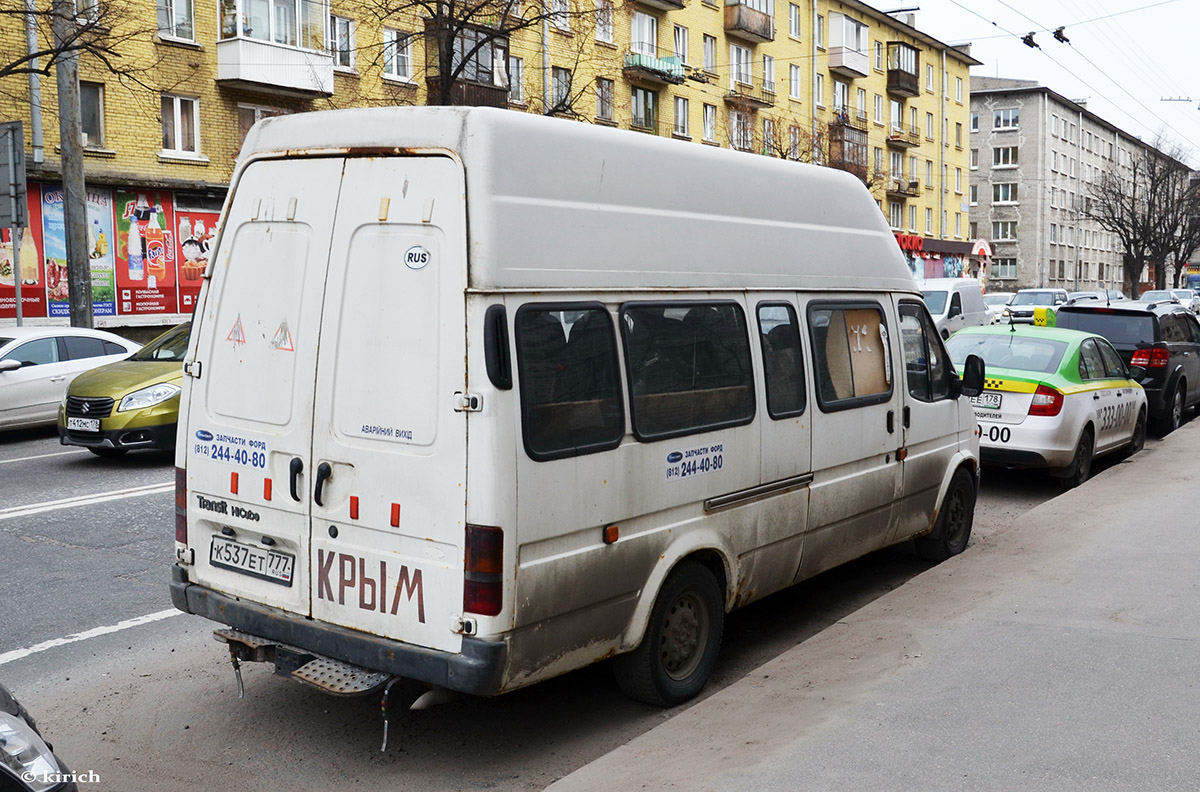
[283, 338]
[237, 335]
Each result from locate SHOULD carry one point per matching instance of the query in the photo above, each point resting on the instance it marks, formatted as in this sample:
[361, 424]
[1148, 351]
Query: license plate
[253, 561]
[84, 424]
[988, 401]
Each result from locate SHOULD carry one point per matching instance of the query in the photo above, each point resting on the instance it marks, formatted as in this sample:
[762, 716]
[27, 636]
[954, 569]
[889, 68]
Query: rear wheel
[1081, 466]
[108, 453]
[1174, 417]
[1138, 441]
[952, 530]
[679, 650]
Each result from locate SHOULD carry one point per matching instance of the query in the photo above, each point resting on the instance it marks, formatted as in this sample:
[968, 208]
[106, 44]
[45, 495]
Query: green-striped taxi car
[1053, 398]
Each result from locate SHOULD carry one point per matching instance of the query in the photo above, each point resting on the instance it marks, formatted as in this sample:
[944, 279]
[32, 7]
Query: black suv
[1161, 337]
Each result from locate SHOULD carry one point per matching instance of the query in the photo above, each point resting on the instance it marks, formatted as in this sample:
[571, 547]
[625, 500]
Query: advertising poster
[54, 236]
[25, 262]
[195, 230]
[145, 253]
[100, 251]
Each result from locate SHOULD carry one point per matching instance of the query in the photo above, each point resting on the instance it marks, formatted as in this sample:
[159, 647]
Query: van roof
[581, 206]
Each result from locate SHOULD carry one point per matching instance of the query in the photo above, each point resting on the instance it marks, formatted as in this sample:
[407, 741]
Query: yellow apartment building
[836, 83]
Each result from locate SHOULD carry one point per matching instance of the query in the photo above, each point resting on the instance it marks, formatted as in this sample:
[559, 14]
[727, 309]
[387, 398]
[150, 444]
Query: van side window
[570, 380]
[689, 367]
[783, 362]
[850, 355]
[956, 305]
[924, 357]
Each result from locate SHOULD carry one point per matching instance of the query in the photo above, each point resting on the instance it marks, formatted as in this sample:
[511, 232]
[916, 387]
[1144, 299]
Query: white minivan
[955, 303]
[477, 397]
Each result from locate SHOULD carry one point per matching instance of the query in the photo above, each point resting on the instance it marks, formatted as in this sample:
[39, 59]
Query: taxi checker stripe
[84, 500]
[1010, 385]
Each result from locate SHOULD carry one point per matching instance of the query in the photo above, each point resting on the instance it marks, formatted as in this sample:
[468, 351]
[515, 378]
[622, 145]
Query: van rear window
[570, 380]
[689, 367]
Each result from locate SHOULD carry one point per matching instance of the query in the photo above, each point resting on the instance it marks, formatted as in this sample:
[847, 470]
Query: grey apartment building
[1035, 156]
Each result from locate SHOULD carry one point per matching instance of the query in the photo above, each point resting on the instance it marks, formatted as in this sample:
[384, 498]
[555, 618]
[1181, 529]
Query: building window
[710, 54]
[740, 70]
[1007, 230]
[958, 180]
[175, 19]
[91, 106]
[958, 89]
[928, 221]
[681, 43]
[794, 143]
[973, 228]
[397, 55]
[768, 73]
[878, 56]
[561, 81]
[795, 80]
[861, 105]
[841, 97]
[974, 122]
[929, 77]
[604, 99]
[912, 219]
[958, 225]
[294, 23]
[878, 160]
[1006, 119]
[516, 80]
[604, 21]
[819, 99]
[485, 57]
[896, 214]
[929, 126]
[897, 165]
[794, 20]
[709, 119]
[741, 133]
[341, 42]
[820, 34]
[570, 384]
[1004, 268]
[973, 191]
[958, 135]
[1004, 193]
[689, 367]
[929, 174]
[1004, 157]
[644, 35]
[180, 125]
[878, 109]
[974, 159]
[560, 14]
[645, 109]
[249, 115]
[1054, 125]
[681, 117]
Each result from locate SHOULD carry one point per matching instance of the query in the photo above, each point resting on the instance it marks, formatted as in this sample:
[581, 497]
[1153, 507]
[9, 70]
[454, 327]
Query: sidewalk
[1063, 655]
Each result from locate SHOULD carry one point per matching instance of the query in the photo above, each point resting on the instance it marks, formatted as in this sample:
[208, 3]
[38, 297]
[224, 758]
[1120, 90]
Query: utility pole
[70, 133]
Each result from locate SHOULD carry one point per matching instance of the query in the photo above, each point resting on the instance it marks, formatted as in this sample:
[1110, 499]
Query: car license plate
[988, 401]
[84, 424]
[250, 560]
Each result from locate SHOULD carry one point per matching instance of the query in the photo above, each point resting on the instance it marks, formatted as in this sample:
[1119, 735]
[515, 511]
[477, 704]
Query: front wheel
[1174, 418]
[679, 650]
[952, 530]
[1138, 441]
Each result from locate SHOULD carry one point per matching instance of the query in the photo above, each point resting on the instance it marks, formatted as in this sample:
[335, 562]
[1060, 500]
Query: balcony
[904, 66]
[276, 69]
[751, 96]
[900, 136]
[663, 5]
[468, 94]
[649, 65]
[749, 24]
[848, 62]
[903, 188]
[847, 117]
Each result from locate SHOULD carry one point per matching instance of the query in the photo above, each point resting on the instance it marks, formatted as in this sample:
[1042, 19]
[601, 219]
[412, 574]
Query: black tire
[109, 453]
[952, 530]
[1138, 441]
[1081, 465]
[1174, 417]
[682, 640]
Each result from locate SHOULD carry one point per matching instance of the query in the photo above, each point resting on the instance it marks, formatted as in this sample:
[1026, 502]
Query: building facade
[838, 83]
[1035, 158]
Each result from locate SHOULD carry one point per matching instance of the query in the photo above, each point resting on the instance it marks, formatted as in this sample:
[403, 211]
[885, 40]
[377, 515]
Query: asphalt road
[147, 699]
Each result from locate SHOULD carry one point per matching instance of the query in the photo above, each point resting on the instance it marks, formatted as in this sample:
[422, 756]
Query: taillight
[1151, 357]
[483, 583]
[181, 505]
[1046, 401]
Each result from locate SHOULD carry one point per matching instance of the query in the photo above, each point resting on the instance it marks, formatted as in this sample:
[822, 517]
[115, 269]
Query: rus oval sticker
[674, 457]
[203, 435]
[416, 257]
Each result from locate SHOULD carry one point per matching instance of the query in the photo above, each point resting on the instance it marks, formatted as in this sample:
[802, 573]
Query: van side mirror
[9, 365]
[973, 375]
[1136, 373]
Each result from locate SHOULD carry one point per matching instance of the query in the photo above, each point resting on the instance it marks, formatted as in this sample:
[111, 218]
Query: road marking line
[18, 654]
[84, 500]
[43, 456]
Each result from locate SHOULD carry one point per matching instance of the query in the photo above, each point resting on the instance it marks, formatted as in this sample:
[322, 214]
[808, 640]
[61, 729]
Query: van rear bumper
[477, 670]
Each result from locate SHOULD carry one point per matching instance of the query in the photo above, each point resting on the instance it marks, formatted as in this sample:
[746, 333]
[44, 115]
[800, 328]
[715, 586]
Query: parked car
[1158, 295]
[1080, 296]
[996, 302]
[1162, 338]
[1053, 398]
[955, 303]
[1188, 299]
[38, 363]
[133, 403]
[1020, 310]
[27, 761]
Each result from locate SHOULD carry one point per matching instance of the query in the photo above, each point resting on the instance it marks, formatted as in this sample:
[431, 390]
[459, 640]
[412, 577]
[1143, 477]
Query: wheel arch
[960, 461]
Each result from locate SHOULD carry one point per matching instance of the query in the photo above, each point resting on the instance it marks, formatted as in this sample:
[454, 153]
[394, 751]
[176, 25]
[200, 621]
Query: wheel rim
[684, 634]
[1177, 410]
[1139, 432]
[1084, 466]
[956, 517]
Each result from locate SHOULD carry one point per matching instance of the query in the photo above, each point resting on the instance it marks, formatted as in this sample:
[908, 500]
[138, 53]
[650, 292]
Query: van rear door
[389, 446]
[250, 414]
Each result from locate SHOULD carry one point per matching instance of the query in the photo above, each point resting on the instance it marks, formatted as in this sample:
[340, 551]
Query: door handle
[891, 421]
[324, 471]
[907, 416]
[1096, 396]
[296, 468]
[59, 378]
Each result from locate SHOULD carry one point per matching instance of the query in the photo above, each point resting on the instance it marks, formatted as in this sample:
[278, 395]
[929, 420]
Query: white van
[477, 397]
[955, 303]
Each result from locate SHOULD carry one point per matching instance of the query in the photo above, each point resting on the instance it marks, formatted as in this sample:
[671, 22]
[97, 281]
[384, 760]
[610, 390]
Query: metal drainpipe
[942, 148]
[35, 83]
[546, 56]
[813, 81]
[1078, 195]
